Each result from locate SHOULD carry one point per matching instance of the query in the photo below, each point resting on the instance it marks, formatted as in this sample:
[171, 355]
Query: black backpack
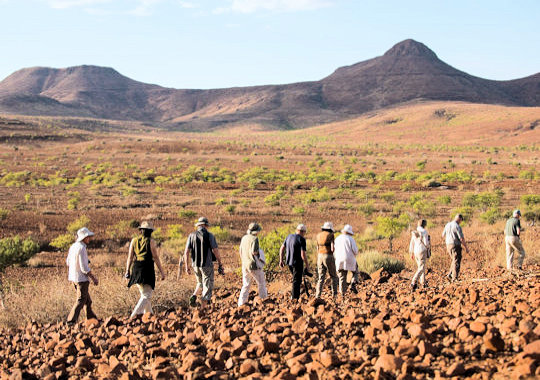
[200, 244]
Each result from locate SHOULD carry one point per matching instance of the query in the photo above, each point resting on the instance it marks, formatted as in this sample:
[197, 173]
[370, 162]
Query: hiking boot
[353, 288]
[413, 287]
[193, 301]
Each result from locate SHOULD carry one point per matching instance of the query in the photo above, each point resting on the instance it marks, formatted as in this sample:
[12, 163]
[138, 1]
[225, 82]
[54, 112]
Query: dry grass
[50, 299]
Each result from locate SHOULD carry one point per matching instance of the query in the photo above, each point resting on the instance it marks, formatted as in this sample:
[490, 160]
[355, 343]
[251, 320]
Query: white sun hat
[347, 229]
[328, 226]
[83, 233]
[301, 227]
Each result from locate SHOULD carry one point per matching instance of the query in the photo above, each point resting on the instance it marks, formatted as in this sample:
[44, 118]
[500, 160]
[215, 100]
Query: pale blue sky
[225, 43]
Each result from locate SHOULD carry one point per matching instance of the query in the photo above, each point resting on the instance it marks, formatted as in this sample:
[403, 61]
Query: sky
[229, 43]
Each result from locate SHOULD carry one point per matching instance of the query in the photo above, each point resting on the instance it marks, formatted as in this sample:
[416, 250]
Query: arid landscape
[378, 171]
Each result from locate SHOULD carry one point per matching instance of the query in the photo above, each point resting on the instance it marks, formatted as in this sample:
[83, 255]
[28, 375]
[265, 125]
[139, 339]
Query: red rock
[91, 323]
[329, 359]
[84, 362]
[456, 369]
[477, 327]
[493, 341]
[120, 342]
[524, 368]
[112, 321]
[406, 349]
[533, 349]
[425, 348]
[248, 367]
[381, 276]
[389, 363]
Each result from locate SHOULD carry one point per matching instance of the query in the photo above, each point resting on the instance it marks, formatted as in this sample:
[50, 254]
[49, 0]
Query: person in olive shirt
[295, 248]
[325, 259]
[512, 233]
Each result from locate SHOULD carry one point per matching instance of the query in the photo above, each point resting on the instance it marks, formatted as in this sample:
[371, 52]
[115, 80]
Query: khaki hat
[202, 222]
[328, 226]
[516, 213]
[146, 226]
[83, 233]
[301, 227]
[347, 229]
[254, 227]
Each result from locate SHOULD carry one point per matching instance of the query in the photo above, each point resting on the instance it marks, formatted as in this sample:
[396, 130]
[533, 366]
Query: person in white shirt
[345, 251]
[79, 273]
[419, 249]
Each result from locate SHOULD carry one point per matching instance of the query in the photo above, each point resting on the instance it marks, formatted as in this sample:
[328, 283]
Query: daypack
[200, 244]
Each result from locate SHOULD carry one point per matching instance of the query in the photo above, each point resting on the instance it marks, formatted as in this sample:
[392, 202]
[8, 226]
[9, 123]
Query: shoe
[353, 288]
[413, 287]
[193, 301]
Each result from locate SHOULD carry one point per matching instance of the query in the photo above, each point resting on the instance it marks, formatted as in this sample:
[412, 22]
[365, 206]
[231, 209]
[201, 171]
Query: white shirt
[77, 262]
[421, 243]
[345, 251]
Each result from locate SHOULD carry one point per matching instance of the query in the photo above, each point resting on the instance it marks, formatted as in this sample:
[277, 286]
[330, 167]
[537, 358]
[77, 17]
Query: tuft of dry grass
[50, 299]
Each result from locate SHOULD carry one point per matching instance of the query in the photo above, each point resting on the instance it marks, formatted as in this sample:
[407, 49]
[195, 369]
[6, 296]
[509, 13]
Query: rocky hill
[408, 71]
[481, 329]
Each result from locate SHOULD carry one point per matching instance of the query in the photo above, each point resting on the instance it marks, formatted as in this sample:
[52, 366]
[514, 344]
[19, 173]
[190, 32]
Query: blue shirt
[294, 245]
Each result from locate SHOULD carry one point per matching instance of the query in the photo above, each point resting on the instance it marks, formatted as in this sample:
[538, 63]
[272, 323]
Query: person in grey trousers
[455, 242]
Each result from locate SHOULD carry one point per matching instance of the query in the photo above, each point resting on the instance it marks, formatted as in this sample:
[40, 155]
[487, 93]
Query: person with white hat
[293, 250]
[419, 249]
[142, 254]
[80, 274]
[512, 239]
[325, 259]
[345, 256]
[253, 261]
[204, 251]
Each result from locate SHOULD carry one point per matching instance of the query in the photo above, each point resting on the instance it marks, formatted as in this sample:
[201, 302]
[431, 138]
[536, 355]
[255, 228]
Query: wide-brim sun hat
[83, 233]
[146, 226]
[254, 227]
[202, 222]
[301, 227]
[328, 226]
[347, 229]
[516, 213]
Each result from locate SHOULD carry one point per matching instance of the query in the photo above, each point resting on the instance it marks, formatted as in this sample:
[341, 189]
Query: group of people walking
[336, 257]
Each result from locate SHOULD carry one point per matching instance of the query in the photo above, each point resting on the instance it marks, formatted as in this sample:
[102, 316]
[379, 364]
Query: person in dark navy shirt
[293, 254]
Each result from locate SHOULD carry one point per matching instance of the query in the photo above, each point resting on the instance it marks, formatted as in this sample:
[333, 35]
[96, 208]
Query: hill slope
[408, 71]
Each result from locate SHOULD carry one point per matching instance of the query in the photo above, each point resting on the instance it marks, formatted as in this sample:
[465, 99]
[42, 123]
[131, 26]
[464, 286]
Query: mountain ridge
[406, 72]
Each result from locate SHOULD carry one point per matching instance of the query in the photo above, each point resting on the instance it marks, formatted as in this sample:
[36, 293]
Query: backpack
[200, 244]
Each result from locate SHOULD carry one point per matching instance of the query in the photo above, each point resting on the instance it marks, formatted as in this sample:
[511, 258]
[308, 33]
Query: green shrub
[491, 216]
[530, 199]
[122, 229]
[532, 214]
[388, 197]
[444, 199]
[62, 242]
[371, 261]
[270, 243]
[78, 223]
[390, 227]
[220, 233]
[424, 208]
[298, 210]
[465, 211]
[4, 213]
[230, 209]
[367, 209]
[15, 250]
[186, 214]
[482, 200]
[220, 201]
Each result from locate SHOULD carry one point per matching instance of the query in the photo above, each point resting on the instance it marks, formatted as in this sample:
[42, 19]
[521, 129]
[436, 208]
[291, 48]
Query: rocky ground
[483, 328]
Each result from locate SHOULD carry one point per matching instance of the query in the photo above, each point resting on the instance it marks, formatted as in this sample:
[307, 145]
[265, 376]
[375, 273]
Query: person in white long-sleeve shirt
[419, 249]
[345, 251]
[80, 274]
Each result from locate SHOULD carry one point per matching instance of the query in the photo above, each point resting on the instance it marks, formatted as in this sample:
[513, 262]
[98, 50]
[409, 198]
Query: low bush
[270, 243]
[62, 242]
[124, 229]
[530, 199]
[3, 213]
[78, 223]
[491, 216]
[15, 250]
[371, 261]
[186, 214]
[220, 233]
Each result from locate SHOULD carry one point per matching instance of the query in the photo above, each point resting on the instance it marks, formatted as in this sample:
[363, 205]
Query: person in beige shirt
[252, 264]
[325, 259]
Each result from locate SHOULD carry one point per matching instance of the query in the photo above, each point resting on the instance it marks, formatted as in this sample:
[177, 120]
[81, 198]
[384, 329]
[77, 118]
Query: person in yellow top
[143, 252]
